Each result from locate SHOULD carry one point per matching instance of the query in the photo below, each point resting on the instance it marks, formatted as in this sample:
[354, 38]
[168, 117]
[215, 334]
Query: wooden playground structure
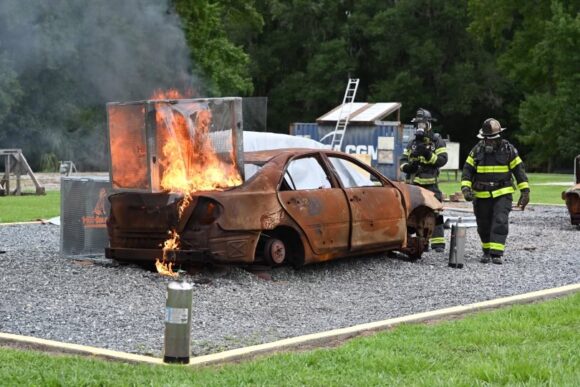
[16, 166]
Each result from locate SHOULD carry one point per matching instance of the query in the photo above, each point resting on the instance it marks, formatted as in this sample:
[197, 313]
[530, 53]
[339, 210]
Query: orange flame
[128, 153]
[171, 94]
[189, 160]
[164, 267]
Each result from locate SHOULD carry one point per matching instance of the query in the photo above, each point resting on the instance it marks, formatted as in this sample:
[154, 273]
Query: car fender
[240, 210]
[416, 196]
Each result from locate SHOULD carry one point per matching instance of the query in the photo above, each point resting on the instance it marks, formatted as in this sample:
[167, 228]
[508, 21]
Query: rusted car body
[297, 206]
[572, 195]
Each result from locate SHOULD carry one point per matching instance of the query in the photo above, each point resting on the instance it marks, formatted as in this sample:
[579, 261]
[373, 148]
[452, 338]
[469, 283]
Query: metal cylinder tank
[457, 246]
[178, 323]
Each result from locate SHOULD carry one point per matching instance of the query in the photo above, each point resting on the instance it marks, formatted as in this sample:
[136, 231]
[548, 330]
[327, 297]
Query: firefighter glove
[410, 167]
[524, 199]
[467, 194]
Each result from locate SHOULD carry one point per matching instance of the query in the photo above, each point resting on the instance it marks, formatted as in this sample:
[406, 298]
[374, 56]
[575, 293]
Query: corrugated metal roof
[361, 112]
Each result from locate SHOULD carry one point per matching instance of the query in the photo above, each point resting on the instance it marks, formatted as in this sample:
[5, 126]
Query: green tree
[417, 52]
[538, 48]
[10, 91]
[215, 57]
[301, 60]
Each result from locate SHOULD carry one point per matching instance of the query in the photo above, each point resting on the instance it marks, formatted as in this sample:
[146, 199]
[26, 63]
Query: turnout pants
[437, 239]
[492, 216]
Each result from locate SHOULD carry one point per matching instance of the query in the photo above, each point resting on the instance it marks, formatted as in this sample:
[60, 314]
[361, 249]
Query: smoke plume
[68, 58]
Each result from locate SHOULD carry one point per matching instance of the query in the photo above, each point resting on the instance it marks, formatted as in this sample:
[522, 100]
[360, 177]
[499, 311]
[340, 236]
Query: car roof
[264, 156]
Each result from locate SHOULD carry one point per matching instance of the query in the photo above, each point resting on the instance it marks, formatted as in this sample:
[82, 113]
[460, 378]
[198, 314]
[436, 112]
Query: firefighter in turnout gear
[488, 181]
[421, 160]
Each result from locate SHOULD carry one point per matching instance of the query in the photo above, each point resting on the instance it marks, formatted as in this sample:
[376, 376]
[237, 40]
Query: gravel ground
[102, 304]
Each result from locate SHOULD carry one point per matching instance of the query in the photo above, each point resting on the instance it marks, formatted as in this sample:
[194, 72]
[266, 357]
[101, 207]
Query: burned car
[296, 206]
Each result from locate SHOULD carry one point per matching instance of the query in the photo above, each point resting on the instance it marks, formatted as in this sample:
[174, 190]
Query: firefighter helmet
[422, 122]
[422, 115]
[490, 129]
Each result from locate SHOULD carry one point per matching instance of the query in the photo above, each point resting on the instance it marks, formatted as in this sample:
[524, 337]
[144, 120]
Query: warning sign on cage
[98, 218]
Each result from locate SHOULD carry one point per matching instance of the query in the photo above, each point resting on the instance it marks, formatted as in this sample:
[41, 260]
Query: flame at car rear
[165, 266]
[189, 159]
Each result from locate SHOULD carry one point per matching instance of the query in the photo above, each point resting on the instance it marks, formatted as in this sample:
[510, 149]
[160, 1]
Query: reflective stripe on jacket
[489, 173]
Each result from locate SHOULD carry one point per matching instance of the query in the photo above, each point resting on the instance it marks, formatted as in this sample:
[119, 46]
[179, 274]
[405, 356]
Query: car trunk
[142, 220]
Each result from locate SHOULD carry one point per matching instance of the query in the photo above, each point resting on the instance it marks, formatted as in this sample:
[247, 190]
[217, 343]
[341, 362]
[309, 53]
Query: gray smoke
[71, 57]
[118, 49]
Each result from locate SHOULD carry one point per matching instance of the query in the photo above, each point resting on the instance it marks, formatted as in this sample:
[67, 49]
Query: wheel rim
[277, 252]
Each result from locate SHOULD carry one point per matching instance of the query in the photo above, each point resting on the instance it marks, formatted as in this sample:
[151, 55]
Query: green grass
[29, 207]
[533, 344]
[546, 194]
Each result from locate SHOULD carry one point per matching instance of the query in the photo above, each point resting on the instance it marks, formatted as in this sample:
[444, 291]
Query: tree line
[464, 60]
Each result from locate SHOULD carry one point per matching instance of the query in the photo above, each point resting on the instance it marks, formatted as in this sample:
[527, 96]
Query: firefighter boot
[496, 259]
[485, 258]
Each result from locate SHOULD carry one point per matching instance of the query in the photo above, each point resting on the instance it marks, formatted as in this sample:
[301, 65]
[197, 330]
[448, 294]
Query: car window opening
[351, 175]
[304, 174]
[250, 169]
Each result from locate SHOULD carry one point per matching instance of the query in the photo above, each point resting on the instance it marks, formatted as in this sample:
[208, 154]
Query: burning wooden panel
[128, 146]
[176, 145]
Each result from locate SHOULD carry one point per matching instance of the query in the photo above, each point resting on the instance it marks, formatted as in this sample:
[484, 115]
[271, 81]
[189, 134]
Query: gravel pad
[122, 307]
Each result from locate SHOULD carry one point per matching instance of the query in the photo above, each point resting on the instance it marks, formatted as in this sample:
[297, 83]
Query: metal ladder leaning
[344, 115]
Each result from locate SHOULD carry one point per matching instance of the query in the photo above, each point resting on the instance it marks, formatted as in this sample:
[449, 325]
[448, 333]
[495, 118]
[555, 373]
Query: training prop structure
[143, 139]
[15, 164]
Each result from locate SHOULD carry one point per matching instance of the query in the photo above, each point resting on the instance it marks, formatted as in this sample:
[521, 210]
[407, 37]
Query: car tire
[415, 255]
[275, 252]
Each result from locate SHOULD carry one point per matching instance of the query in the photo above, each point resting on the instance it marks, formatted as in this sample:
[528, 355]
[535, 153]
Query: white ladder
[344, 115]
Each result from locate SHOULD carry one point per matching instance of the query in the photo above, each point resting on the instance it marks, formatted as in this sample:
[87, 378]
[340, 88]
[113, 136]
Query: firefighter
[424, 155]
[487, 180]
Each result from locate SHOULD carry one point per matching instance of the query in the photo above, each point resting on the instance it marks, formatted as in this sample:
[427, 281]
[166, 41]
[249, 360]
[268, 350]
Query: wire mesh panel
[255, 113]
[84, 209]
[166, 144]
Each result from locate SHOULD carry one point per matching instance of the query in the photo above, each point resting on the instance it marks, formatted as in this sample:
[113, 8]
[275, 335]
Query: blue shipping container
[383, 142]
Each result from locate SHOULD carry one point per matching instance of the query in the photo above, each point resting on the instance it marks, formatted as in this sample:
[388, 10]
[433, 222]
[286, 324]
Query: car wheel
[274, 252]
[418, 237]
[416, 253]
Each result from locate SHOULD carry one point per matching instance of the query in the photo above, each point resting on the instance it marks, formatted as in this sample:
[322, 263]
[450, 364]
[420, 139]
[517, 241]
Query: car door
[319, 208]
[377, 212]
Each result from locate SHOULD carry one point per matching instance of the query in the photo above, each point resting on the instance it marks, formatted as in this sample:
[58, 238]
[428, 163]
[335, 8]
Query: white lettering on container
[362, 149]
